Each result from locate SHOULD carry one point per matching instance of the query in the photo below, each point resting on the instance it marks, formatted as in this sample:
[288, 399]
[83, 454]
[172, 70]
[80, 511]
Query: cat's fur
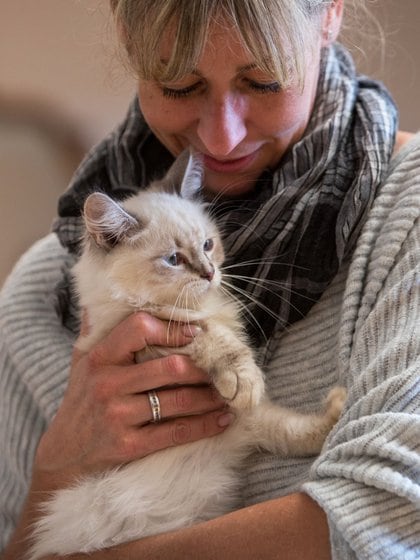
[126, 266]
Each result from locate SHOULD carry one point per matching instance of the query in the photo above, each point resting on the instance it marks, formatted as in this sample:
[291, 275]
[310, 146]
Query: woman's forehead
[222, 41]
[171, 48]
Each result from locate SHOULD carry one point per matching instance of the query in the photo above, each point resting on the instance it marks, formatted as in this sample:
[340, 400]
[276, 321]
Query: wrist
[48, 476]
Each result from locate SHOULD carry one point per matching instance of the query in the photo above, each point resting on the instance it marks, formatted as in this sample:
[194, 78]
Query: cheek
[285, 115]
[218, 255]
[160, 113]
[167, 280]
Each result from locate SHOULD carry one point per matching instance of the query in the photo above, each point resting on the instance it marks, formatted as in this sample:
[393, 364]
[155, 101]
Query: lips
[229, 165]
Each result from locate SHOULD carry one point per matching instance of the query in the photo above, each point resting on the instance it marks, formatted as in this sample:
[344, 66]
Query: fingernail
[225, 419]
[190, 330]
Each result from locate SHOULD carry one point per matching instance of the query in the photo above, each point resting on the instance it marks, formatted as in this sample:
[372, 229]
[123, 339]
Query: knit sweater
[364, 333]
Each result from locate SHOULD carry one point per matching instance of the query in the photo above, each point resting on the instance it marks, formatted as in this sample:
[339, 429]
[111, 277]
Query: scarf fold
[286, 241]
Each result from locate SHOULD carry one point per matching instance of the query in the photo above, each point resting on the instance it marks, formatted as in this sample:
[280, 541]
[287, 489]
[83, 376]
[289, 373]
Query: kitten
[160, 252]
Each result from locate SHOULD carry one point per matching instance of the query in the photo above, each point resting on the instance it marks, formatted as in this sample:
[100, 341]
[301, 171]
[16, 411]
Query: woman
[307, 156]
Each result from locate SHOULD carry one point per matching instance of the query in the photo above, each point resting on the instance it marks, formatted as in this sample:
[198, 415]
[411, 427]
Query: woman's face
[230, 112]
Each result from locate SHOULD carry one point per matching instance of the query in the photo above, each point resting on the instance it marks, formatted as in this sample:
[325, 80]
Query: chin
[230, 188]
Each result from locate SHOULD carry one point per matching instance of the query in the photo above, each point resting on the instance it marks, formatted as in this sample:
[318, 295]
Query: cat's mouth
[201, 285]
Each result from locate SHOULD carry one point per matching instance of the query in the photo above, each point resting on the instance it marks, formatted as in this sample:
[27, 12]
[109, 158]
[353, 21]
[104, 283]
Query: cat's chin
[170, 313]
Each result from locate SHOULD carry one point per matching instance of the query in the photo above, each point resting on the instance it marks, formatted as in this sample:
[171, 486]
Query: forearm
[19, 544]
[288, 528]
[41, 486]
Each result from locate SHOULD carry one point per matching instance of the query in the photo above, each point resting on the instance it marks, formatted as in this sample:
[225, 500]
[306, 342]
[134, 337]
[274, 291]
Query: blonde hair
[276, 33]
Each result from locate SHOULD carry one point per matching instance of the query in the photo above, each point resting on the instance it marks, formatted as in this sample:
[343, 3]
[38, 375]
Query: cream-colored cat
[159, 251]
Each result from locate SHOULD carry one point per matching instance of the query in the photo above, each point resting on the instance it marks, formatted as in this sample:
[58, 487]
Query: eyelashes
[272, 87]
[172, 93]
[257, 87]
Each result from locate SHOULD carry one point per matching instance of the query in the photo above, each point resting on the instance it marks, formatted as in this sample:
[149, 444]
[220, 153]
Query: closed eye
[177, 93]
[260, 87]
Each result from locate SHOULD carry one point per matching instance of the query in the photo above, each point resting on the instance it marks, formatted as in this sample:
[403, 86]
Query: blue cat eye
[208, 245]
[175, 259]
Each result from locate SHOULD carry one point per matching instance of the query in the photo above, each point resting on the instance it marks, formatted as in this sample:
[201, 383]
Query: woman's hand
[105, 417]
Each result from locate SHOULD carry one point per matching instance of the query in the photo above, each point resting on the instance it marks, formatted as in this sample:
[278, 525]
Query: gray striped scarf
[303, 218]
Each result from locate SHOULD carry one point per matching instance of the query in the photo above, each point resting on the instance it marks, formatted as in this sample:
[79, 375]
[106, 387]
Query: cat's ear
[193, 177]
[107, 223]
[185, 175]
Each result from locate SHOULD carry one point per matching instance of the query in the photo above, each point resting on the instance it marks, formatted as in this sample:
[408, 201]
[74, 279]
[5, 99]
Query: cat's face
[155, 249]
[171, 257]
[158, 248]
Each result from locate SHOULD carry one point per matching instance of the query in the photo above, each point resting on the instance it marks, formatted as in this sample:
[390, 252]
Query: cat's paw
[242, 390]
[334, 404]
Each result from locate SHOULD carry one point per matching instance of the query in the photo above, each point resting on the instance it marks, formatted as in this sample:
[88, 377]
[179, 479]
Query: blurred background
[62, 88]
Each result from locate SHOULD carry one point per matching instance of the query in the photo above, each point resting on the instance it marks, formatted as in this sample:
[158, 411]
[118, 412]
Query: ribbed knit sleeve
[368, 477]
[35, 352]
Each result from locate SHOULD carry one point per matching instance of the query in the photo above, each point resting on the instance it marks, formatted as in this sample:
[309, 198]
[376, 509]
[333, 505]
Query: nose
[207, 272]
[222, 125]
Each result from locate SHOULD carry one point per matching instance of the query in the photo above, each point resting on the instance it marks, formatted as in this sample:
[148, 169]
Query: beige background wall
[63, 51]
[60, 55]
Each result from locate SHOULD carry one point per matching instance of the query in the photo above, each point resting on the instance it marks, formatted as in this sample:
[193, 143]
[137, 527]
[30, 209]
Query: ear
[106, 221]
[193, 177]
[332, 22]
[185, 175]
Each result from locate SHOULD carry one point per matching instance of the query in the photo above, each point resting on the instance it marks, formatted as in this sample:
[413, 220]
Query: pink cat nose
[208, 273]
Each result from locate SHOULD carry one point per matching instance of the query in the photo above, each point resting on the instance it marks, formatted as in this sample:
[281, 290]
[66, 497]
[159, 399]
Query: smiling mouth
[229, 165]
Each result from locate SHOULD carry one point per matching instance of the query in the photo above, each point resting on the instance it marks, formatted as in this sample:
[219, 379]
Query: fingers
[138, 331]
[112, 382]
[162, 372]
[182, 401]
[154, 437]
[106, 412]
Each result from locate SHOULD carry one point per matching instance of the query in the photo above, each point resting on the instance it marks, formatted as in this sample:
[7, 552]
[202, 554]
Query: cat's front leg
[238, 379]
[231, 365]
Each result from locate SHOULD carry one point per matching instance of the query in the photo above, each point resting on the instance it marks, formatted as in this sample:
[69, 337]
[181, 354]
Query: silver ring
[155, 406]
